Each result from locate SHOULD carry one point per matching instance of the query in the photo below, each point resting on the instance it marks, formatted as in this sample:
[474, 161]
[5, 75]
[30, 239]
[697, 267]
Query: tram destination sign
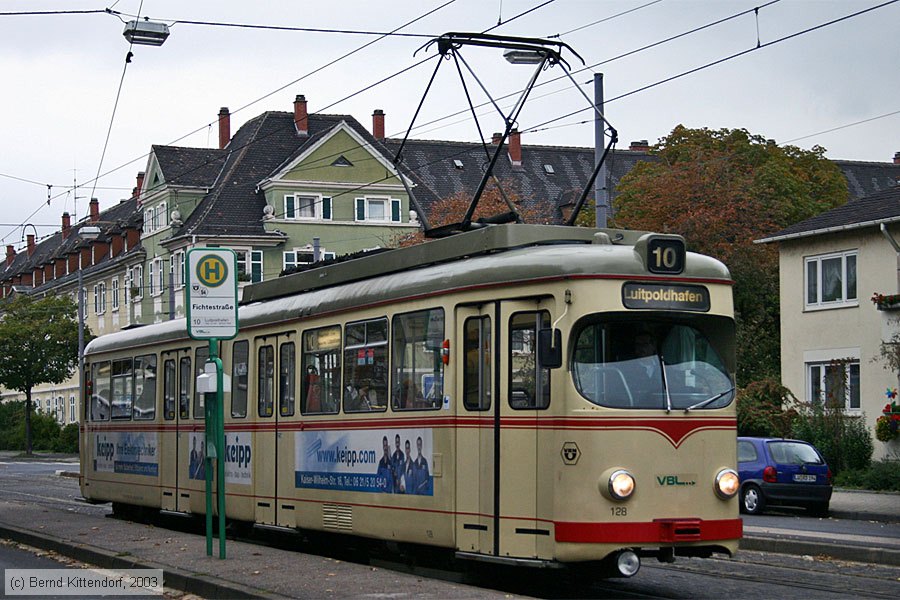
[662, 296]
[211, 295]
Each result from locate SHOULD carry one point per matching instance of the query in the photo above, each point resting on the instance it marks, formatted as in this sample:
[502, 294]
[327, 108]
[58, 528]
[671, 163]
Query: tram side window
[201, 356]
[145, 387]
[477, 374]
[529, 386]
[240, 357]
[100, 386]
[417, 368]
[184, 388]
[122, 388]
[366, 366]
[287, 379]
[265, 368]
[169, 388]
[321, 388]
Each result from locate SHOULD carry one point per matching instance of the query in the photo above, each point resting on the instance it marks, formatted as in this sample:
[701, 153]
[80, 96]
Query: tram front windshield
[653, 364]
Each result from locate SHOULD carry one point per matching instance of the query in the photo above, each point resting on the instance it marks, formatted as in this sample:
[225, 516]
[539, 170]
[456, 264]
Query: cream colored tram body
[526, 394]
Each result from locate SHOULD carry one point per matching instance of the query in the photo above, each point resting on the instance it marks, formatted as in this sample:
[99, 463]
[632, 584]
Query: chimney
[66, 225]
[897, 158]
[224, 127]
[95, 210]
[378, 124]
[640, 146]
[10, 254]
[301, 118]
[140, 185]
[515, 148]
[30, 238]
[495, 139]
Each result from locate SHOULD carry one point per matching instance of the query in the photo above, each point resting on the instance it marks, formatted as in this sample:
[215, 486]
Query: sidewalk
[864, 505]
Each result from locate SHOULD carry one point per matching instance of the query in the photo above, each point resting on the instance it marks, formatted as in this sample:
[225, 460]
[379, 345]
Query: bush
[845, 442]
[11, 415]
[44, 431]
[882, 475]
[67, 442]
[763, 409]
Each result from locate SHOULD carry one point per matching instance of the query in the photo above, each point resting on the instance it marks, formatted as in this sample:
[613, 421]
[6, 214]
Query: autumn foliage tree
[452, 209]
[723, 189]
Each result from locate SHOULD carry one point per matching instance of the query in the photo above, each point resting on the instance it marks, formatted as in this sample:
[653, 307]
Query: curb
[880, 556]
[191, 583]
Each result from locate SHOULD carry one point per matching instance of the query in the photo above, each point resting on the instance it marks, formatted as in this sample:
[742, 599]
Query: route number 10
[665, 255]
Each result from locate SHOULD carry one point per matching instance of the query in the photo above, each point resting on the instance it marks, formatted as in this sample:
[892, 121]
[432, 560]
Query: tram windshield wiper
[709, 400]
[662, 368]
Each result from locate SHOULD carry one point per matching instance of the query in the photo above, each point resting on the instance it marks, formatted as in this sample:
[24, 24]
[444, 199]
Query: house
[830, 267]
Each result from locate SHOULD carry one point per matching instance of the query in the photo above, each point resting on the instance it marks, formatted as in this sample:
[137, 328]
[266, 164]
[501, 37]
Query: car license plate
[804, 478]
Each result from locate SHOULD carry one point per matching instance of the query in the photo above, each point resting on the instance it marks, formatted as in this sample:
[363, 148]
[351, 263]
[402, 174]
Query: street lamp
[87, 233]
[146, 33]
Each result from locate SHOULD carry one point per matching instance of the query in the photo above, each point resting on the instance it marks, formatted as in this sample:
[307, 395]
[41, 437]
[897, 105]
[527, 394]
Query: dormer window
[549, 170]
[457, 163]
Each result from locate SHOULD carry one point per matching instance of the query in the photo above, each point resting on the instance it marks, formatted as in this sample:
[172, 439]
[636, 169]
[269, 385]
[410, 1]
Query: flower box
[886, 301]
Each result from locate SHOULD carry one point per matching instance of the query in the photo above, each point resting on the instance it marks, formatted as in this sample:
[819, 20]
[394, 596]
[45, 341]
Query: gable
[341, 157]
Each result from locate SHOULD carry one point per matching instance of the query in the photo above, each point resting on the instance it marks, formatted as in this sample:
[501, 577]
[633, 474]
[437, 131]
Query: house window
[304, 256]
[178, 269]
[250, 265]
[115, 293]
[137, 282]
[72, 405]
[831, 280]
[379, 210]
[152, 279]
[307, 206]
[100, 298]
[834, 383]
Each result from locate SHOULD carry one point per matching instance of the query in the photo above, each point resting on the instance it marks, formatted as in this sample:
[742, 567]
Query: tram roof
[480, 242]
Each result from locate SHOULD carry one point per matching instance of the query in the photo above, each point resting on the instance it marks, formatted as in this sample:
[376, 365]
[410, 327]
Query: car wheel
[752, 501]
[819, 509]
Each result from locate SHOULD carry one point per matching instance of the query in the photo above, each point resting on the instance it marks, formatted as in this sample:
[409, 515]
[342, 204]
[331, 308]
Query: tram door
[271, 408]
[502, 394]
[475, 390]
[175, 449]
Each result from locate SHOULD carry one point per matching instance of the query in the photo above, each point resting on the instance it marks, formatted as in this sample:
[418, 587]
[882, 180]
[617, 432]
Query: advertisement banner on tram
[394, 461]
[127, 453]
[238, 468]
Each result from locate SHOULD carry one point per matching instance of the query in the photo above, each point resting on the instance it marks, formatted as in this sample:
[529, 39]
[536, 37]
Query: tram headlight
[727, 484]
[617, 484]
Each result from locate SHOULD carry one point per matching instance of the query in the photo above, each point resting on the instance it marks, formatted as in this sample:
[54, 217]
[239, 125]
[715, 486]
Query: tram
[522, 394]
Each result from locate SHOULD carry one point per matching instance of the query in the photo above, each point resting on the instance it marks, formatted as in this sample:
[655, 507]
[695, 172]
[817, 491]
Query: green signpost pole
[211, 296]
[215, 450]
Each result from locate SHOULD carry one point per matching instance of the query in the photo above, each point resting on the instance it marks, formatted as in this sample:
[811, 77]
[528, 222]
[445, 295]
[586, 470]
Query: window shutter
[360, 209]
[326, 208]
[395, 210]
[288, 207]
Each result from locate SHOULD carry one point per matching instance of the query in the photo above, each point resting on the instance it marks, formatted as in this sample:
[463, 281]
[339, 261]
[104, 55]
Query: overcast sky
[61, 74]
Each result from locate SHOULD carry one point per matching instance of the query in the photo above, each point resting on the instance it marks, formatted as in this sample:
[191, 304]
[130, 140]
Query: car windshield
[794, 453]
[649, 365]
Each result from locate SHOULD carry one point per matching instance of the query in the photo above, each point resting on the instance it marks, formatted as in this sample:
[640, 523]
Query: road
[750, 574]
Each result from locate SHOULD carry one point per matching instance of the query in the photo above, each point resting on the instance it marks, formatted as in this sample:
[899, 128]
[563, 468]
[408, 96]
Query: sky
[71, 108]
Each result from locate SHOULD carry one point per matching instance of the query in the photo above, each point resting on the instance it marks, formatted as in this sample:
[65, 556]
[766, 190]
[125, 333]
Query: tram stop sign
[211, 293]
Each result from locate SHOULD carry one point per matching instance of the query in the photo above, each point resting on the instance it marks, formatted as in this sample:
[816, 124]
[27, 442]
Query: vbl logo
[672, 480]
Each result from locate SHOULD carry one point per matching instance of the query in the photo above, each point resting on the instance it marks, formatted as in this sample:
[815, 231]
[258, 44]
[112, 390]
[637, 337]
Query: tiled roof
[880, 207]
[866, 178]
[189, 167]
[543, 192]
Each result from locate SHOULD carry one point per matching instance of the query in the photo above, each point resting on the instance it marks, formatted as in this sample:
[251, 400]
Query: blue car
[776, 471]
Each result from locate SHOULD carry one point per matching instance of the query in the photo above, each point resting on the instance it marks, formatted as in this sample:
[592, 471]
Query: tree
[453, 208]
[722, 189]
[38, 344]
